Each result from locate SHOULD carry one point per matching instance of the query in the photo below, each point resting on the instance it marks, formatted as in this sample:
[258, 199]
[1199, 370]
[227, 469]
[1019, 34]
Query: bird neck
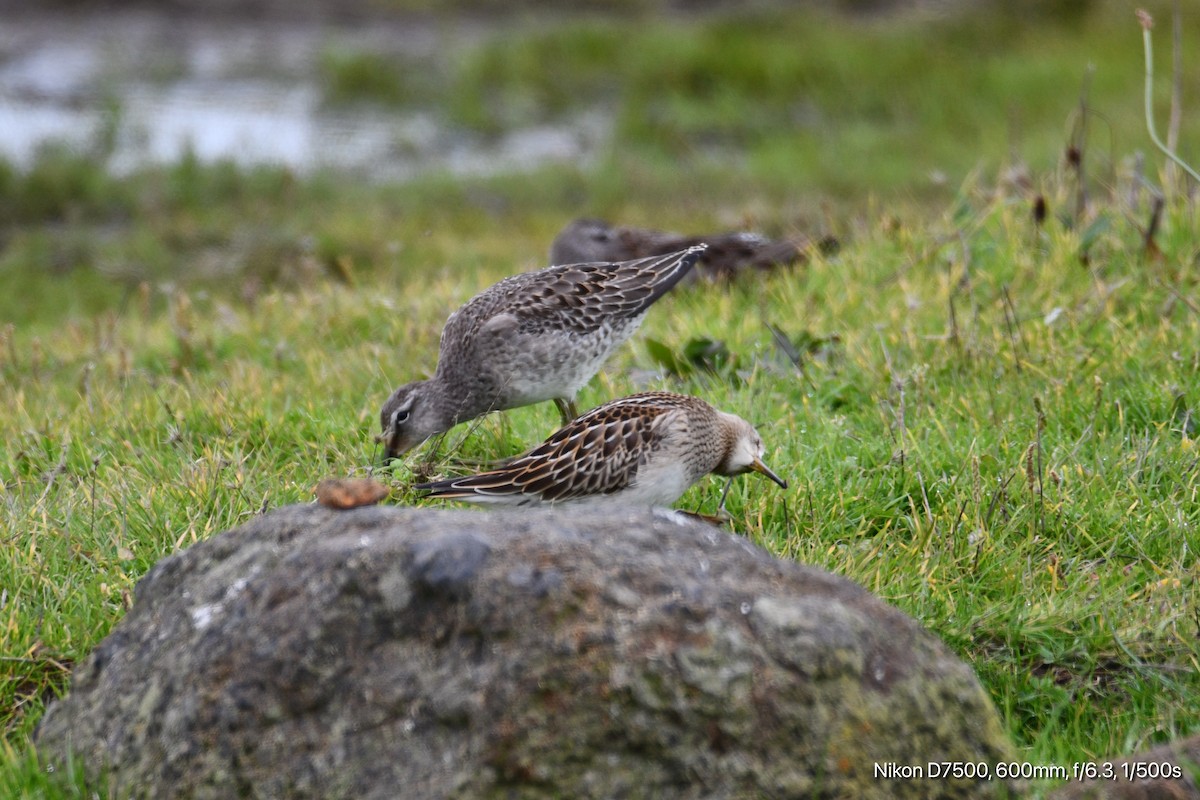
[453, 401]
[727, 440]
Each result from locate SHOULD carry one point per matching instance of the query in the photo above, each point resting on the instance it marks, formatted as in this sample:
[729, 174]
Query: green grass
[349, 76]
[789, 100]
[1060, 563]
[994, 425]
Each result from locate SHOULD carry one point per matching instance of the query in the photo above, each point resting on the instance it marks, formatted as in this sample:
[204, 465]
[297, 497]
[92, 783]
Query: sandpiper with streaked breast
[642, 450]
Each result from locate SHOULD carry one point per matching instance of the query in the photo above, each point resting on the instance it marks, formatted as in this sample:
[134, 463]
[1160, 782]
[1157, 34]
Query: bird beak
[758, 466]
[388, 440]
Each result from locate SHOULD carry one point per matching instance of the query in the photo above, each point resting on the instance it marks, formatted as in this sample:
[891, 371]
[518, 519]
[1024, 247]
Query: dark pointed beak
[758, 466]
[388, 440]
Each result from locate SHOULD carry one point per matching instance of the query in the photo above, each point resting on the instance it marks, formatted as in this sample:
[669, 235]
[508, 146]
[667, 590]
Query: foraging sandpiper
[642, 450]
[728, 253]
[529, 338]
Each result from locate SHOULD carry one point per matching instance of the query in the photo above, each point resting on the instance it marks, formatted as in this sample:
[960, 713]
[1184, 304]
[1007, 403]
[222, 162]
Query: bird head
[745, 452]
[404, 420]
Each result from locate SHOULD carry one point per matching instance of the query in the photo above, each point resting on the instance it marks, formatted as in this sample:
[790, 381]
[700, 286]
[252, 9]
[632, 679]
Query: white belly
[545, 367]
[656, 486]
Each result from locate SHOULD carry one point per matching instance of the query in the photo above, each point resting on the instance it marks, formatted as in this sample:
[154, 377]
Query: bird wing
[583, 297]
[599, 453]
[580, 299]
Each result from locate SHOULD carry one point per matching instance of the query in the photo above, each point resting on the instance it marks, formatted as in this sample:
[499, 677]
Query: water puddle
[145, 89]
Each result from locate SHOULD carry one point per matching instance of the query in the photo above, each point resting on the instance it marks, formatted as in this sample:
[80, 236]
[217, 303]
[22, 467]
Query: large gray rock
[391, 652]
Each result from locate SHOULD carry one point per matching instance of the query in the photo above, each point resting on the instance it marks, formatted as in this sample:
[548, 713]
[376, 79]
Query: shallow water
[138, 88]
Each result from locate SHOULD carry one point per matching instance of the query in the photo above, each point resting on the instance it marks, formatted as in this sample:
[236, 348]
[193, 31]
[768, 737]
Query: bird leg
[719, 521]
[721, 517]
[566, 408]
[721, 512]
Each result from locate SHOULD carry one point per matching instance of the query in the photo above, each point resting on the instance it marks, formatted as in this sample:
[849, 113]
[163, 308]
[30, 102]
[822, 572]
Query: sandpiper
[727, 254]
[641, 450]
[531, 337]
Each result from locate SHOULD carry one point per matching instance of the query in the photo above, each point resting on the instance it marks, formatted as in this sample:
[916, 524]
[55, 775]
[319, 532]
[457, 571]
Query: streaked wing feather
[583, 296]
[598, 453]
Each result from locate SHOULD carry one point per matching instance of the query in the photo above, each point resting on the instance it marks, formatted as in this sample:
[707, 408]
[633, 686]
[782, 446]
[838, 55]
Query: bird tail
[487, 487]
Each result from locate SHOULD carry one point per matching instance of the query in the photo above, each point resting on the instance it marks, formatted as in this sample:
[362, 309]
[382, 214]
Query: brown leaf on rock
[345, 493]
